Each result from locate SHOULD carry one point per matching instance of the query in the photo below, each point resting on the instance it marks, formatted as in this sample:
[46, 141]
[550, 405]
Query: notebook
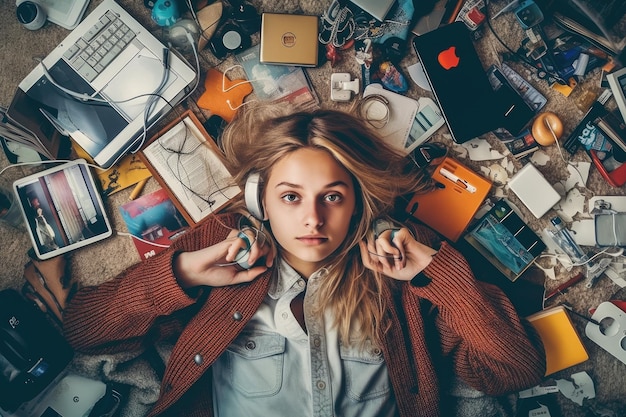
[458, 81]
[130, 71]
[377, 8]
[289, 39]
[449, 208]
[562, 343]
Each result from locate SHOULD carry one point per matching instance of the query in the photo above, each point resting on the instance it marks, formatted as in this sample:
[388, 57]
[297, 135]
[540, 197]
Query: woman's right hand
[216, 265]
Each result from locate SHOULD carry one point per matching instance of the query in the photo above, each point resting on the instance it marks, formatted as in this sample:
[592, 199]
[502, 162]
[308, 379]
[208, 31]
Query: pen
[138, 188]
[463, 183]
[589, 319]
[561, 289]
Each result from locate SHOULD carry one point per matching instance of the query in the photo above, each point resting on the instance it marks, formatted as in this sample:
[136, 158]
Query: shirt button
[320, 385]
[316, 342]
[198, 359]
[301, 283]
[250, 345]
[284, 316]
[168, 387]
[237, 316]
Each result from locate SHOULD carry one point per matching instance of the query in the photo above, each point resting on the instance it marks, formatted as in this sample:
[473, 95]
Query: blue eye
[333, 198]
[290, 198]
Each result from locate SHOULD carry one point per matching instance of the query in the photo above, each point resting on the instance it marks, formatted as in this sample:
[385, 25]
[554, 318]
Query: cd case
[505, 240]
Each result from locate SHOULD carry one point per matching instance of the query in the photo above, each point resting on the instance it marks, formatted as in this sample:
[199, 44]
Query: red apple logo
[448, 58]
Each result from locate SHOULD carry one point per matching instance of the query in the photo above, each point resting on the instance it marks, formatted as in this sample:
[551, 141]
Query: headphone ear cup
[252, 196]
[229, 38]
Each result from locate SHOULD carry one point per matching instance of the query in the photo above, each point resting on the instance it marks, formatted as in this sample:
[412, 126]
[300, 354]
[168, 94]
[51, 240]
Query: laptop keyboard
[99, 46]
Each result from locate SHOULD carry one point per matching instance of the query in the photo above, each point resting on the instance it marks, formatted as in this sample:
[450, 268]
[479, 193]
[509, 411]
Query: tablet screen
[62, 209]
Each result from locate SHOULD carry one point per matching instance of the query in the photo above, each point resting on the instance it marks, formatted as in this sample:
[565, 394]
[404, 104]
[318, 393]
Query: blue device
[165, 12]
[528, 14]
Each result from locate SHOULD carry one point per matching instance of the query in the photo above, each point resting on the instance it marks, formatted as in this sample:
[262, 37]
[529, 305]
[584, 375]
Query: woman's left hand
[396, 254]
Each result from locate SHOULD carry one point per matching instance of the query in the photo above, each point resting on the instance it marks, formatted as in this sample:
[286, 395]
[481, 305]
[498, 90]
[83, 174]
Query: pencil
[138, 188]
[582, 316]
[561, 289]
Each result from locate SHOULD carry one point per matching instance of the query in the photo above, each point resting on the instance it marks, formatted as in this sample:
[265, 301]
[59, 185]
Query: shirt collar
[285, 277]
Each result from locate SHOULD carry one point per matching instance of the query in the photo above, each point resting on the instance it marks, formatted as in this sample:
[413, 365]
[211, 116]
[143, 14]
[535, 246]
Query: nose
[313, 215]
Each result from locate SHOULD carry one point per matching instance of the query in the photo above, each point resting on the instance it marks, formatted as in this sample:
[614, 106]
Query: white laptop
[111, 57]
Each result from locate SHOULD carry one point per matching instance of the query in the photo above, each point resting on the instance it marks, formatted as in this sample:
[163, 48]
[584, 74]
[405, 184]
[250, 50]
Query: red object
[332, 55]
[565, 286]
[615, 178]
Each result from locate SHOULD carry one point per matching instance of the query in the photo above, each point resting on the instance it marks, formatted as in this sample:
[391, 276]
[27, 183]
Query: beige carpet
[103, 260]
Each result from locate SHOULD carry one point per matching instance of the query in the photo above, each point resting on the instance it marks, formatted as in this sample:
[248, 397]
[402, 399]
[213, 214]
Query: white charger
[534, 190]
[341, 87]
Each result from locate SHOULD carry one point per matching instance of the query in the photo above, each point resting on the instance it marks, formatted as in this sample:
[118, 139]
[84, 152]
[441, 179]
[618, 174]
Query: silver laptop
[105, 83]
[377, 8]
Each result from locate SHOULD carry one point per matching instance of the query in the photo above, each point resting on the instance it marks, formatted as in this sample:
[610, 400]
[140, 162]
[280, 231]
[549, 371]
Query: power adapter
[341, 87]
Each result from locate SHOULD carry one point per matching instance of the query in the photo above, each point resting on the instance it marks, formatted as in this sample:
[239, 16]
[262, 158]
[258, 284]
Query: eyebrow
[291, 185]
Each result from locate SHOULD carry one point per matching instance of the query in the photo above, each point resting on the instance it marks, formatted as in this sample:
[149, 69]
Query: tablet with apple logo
[458, 80]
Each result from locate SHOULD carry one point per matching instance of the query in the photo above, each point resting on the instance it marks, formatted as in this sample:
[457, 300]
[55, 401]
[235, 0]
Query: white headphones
[252, 196]
[182, 35]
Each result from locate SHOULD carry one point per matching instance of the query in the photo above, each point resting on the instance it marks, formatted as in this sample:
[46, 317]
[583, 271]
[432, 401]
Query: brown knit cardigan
[455, 323]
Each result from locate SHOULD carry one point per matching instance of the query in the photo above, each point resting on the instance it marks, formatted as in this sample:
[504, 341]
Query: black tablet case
[464, 93]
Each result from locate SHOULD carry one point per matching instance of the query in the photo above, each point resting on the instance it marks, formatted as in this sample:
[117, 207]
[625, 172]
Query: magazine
[277, 82]
[153, 222]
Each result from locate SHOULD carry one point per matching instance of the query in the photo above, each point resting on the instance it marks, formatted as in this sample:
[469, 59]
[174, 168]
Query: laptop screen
[98, 121]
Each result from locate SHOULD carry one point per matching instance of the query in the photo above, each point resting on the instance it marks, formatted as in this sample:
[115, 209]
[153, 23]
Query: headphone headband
[252, 196]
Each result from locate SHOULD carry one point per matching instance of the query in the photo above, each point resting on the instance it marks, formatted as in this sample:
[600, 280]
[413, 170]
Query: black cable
[523, 58]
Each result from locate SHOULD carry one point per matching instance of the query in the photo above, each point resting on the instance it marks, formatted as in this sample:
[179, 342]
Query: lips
[312, 240]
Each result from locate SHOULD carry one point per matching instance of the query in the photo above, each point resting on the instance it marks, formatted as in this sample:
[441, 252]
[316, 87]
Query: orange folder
[449, 208]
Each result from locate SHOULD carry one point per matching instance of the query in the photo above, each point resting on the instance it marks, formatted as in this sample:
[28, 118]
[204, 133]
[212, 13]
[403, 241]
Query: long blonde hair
[262, 135]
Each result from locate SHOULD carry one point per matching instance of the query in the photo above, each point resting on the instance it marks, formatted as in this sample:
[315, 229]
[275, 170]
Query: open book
[186, 161]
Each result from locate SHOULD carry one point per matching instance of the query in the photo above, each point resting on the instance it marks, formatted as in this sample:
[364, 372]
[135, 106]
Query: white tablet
[62, 209]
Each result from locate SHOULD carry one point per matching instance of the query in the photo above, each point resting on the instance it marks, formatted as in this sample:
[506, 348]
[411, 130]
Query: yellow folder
[563, 345]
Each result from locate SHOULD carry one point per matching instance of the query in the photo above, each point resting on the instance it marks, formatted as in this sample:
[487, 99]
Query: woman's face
[309, 200]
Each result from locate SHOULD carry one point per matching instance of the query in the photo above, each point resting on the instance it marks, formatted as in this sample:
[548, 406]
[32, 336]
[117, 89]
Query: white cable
[193, 89]
[52, 161]
[619, 252]
[75, 94]
[143, 240]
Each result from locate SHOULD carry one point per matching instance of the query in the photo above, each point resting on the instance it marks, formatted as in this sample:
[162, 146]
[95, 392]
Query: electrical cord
[523, 58]
[52, 161]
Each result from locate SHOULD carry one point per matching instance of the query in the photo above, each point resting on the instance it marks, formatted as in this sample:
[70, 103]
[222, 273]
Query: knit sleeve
[146, 299]
[493, 349]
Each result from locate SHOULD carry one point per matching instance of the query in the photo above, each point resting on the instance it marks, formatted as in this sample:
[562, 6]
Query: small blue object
[528, 14]
[165, 12]
[244, 253]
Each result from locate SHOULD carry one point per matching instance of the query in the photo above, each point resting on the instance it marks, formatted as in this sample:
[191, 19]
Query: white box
[534, 190]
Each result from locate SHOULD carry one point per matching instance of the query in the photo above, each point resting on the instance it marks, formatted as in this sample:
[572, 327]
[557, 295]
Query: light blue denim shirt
[275, 368]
